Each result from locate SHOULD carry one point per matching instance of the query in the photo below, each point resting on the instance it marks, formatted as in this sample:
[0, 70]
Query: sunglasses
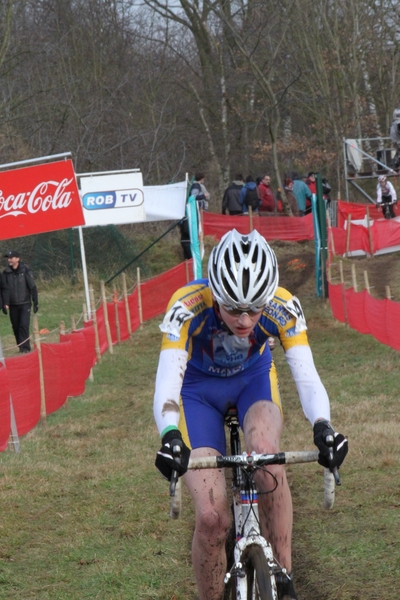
[237, 312]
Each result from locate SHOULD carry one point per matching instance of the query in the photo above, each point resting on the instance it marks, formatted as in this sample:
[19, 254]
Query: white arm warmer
[312, 393]
[170, 372]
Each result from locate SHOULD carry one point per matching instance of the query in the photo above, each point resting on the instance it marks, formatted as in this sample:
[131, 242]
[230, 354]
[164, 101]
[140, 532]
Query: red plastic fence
[23, 377]
[156, 292]
[67, 365]
[4, 408]
[57, 374]
[382, 233]
[290, 229]
[366, 314]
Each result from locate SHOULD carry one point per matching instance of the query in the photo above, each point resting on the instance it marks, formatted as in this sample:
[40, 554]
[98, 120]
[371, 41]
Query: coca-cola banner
[112, 198]
[38, 199]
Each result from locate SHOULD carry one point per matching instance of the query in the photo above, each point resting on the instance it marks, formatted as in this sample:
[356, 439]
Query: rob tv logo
[118, 199]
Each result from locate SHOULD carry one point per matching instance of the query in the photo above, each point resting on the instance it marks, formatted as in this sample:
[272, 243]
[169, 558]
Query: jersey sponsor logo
[194, 300]
[225, 371]
[278, 313]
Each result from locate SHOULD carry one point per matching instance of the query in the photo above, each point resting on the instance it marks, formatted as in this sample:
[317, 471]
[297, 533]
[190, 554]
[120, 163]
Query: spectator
[311, 182]
[231, 198]
[291, 197]
[21, 292]
[267, 200]
[185, 238]
[199, 191]
[326, 190]
[249, 195]
[386, 197]
[301, 192]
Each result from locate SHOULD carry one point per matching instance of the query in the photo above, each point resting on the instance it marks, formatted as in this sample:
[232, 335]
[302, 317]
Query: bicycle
[253, 571]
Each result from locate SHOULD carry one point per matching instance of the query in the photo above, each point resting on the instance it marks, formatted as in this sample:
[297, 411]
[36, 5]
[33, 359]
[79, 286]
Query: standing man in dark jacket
[231, 199]
[19, 293]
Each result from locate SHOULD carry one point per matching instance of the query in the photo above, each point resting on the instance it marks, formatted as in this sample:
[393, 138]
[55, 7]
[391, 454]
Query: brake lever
[335, 471]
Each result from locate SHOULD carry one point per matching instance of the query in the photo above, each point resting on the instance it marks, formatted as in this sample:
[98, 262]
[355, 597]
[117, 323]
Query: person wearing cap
[19, 292]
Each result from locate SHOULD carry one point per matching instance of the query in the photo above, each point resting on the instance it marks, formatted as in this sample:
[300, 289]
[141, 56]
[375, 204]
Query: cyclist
[386, 197]
[215, 355]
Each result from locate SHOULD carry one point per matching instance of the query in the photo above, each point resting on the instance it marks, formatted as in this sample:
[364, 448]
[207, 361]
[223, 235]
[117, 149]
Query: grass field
[85, 514]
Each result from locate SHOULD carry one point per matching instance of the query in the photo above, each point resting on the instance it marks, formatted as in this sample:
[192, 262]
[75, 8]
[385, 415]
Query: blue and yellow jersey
[193, 324]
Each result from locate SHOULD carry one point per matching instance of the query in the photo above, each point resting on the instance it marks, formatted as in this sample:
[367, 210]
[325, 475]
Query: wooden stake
[388, 294]
[115, 300]
[348, 235]
[354, 277]
[366, 281]
[106, 321]
[85, 318]
[36, 339]
[62, 327]
[343, 290]
[187, 271]
[371, 247]
[126, 302]
[73, 323]
[139, 297]
[330, 234]
[96, 328]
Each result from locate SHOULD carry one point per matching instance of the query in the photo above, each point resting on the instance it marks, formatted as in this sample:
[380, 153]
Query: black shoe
[285, 587]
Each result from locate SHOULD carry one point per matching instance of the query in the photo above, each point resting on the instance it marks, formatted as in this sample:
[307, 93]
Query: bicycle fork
[247, 533]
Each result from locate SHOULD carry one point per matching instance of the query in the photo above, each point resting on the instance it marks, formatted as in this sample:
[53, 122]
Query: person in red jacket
[267, 205]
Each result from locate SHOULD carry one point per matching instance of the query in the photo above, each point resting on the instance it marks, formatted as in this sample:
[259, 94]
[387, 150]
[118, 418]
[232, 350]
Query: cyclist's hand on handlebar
[332, 446]
[168, 459]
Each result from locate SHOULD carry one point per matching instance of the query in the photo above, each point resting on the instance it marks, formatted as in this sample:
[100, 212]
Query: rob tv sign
[112, 198]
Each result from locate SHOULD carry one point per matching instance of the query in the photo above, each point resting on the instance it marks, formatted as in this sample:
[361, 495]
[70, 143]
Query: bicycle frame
[246, 520]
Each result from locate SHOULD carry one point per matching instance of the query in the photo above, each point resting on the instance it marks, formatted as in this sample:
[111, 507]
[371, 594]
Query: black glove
[35, 308]
[166, 462]
[4, 310]
[331, 452]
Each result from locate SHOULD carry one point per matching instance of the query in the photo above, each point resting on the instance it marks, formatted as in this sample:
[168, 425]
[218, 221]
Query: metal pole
[30, 161]
[85, 276]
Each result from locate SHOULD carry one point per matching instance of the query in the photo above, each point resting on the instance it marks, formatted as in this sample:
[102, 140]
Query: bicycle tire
[259, 585]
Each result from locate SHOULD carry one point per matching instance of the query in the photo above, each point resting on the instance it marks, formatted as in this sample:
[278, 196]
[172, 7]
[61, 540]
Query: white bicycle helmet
[243, 271]
[382, 178]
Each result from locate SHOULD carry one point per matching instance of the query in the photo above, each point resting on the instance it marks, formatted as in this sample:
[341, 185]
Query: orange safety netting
[4, 408]
[57, 374]
[23, 377]
[289, 229]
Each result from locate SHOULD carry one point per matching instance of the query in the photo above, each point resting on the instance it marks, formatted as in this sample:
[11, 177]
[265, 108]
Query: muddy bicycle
[253, 570]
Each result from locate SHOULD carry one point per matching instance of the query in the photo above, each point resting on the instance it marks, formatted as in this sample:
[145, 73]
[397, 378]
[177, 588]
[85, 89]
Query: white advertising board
[112, 198]
[165, 202]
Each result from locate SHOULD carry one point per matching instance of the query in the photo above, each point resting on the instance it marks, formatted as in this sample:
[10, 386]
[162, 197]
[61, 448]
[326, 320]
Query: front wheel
[259, 586]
